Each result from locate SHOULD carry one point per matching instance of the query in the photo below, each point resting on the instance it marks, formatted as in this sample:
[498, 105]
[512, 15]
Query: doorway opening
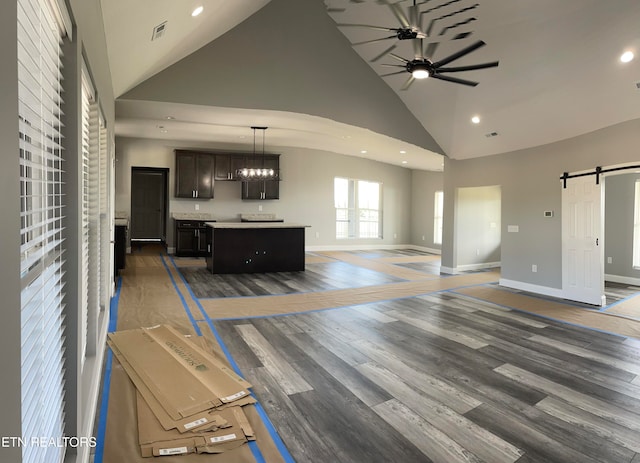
[149, 203]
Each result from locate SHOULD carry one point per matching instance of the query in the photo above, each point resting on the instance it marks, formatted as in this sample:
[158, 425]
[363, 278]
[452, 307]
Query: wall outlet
[259, 207]
[422, 237]
[609, 260]
[395, 235]
[197, 207]
[317, 234]
[477, 252]
[534, 268]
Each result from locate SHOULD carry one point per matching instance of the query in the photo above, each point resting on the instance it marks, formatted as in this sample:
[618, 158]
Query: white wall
[306, 190]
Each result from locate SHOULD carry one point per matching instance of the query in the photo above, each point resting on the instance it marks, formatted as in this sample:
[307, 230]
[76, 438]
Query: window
[42, 214]
[636, 226]
[438, 207]
[358, 208]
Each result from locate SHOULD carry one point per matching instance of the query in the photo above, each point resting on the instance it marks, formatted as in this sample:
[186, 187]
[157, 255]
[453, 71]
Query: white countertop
[245, 225]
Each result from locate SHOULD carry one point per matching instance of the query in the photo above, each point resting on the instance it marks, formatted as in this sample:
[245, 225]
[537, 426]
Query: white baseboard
[356, 247]
[171, 250]
[623, 280]
[522, 286]
[469, 268]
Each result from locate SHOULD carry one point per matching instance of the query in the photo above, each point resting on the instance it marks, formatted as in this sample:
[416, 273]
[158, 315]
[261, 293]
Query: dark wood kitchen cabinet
[191, 238]
[264, 189]
[194, 174]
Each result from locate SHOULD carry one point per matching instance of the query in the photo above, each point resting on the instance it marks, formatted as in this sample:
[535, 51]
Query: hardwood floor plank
[300, 434]
[600, 427]
[273, 361]
[443, 391]
[438, 446]
[613, 390]
[472, 437]
[360, 386]
[589, 354]
[352, 429]
[590, 404]
[437, 330]
[517, 429]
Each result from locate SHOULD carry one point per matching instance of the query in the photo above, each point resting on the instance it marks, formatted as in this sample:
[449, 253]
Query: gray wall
[529, 180]
[424, 184]
[618, 226]
[478, 226]
[306, 191]
[305, 65]
[10, 360]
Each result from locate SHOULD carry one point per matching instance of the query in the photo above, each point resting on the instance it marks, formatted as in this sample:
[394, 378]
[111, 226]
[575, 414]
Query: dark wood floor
[441, 378]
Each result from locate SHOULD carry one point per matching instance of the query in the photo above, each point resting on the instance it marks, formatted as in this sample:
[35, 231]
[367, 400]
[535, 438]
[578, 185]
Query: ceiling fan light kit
[423, 64]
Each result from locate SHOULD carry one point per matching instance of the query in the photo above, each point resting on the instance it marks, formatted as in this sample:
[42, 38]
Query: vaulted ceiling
[289, 65]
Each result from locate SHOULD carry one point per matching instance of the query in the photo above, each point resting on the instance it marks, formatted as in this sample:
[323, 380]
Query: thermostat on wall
[548, 213]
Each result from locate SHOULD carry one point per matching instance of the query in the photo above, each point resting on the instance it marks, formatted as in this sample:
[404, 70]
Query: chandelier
[255, 169]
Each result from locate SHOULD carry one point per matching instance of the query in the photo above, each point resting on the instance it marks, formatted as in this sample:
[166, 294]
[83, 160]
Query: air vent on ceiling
[158, 31]
[638, 85]
[491, 134]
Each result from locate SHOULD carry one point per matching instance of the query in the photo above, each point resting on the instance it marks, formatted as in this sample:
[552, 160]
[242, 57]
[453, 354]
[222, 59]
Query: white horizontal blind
[88, 300]
[104, 214]
[42, 215]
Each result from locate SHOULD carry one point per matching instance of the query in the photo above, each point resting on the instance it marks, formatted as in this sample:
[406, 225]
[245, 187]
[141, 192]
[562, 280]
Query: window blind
[104, 214]
[42, 215]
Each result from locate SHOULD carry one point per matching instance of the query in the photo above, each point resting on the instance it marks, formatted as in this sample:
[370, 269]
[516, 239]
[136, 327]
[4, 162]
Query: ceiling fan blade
[413, 16]
[336, 10]
[388, 50]
[455, 80]
[406, 85]
[460, 54]
[462, 35]
[374, 40]
[399, 58]
[394, 65]
[368, 26]
[453, 26]
[392, 73]
[439, 6]
[399, 14]
[472, 67]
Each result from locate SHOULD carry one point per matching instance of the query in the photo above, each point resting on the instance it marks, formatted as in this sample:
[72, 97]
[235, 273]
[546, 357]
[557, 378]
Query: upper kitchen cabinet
[263, 189]
[194, 174]
[227, 165]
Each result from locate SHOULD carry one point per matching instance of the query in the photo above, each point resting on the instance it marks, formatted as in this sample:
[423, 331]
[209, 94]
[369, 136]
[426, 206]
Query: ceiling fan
[411, 23]
[421, 67]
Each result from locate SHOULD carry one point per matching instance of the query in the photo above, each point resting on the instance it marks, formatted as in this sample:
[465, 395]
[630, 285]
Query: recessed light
[626, 56]
[475, 119]
[403, 152]
[197, 11]
[363, 152]
[404, 162]
[164, 131]
[169, 118]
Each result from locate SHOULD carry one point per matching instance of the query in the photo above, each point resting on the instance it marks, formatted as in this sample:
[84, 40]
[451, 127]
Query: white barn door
[582, 245]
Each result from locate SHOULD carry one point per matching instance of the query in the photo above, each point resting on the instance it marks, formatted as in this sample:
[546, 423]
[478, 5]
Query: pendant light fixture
[255, 169]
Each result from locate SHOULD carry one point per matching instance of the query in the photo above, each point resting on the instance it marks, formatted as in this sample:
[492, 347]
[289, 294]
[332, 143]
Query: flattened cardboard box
[231, 430]
[183, 378]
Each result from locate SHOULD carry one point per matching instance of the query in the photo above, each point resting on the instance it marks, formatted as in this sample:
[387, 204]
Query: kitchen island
[255, 247]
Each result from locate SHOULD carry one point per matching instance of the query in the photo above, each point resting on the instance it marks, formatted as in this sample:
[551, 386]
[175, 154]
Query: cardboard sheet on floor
[229, 430]
[121, 437]
[194, 422]
[183, 378]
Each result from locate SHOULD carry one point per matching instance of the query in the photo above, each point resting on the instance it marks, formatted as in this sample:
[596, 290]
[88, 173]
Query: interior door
[148, 204]
[582, 247]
